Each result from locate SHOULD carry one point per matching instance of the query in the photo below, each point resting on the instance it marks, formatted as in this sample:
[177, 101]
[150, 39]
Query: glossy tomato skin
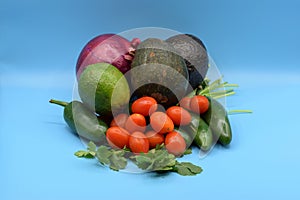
[179, 115]
[135, 122]
[175, 143]
[185, 103]
[119, 120]
[199, 104]
[161, 122]
[144, 106]
[154, 138]
[117, 137]
[138, 142]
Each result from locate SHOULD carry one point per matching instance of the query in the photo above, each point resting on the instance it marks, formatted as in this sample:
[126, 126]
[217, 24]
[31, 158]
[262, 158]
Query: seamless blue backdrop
[254, 43]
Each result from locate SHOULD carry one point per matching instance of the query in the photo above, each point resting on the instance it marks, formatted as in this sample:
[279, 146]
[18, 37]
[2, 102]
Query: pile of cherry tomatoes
[148, 125]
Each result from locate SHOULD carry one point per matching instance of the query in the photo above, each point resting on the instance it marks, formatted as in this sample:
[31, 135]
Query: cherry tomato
[179, 115]
[161, 123]
[199, 104]
[185, 103]
[138, 142]
[117, 137]
[154, 138]
[144, 106]
[119, 120]
[175, 143]
[135, 122]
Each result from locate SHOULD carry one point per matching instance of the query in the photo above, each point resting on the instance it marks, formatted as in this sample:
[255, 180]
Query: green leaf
[155, 160]
[188, 151]
[103, 154]
[114, 158]
[84, 154]
[80, 153]
[117, 161]
[90, 153]
[183, 170]
[158, 159]
[91, 146]
[144, 162]
[193, 168]
[164, 161]
[187, 169]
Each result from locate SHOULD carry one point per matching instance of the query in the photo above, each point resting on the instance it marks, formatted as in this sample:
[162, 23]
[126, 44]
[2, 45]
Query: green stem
[231, 85]
[223, 95]
[61, 103]
[230, 112]
[221, 92]
[224, 85]
[210, 87]
[214, 84]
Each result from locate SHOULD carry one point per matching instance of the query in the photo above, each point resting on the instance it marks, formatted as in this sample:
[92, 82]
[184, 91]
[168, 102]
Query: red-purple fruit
[108, 48]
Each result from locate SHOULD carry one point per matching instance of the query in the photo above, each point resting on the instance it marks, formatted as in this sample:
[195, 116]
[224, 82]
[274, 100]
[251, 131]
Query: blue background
[254, 43]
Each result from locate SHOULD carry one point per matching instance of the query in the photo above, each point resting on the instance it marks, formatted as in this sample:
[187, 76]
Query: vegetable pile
[147, 102]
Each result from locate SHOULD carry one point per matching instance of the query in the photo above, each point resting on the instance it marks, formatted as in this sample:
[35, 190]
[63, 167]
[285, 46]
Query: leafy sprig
[217, 89]
[115, 159]
[89, 153]
[187, 169]
[158, 159]
[155, 160]
[188, 151]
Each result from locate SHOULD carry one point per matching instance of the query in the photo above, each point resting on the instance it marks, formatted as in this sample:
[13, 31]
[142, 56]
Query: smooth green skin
[217, 119]
[83, 122]
[103, 88]
[203, 135]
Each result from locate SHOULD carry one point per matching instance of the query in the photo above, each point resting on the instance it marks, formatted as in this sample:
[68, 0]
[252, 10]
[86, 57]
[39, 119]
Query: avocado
[158, 71]
[192, 49]
[103, 88]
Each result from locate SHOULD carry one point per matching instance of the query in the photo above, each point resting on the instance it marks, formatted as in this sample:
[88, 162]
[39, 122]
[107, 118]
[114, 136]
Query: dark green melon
[158, 71]
[195, 55]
